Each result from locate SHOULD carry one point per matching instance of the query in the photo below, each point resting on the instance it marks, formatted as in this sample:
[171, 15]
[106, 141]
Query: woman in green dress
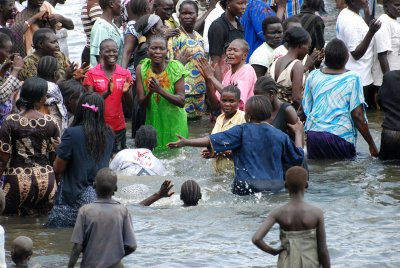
[161, 89]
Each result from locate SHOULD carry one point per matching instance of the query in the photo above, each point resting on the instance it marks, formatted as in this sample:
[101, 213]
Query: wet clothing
[328, 102]
[388, 98]
[279, 121]
[221, 163]
[28, 181]
[167, 118]
[137, 162]
[104, 216]
[259, 151]
[301, 249]
[325, 145]
[79, 175]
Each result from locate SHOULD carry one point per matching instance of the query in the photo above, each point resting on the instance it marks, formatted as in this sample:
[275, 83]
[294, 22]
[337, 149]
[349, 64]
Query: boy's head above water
[21, 250]
[105, 183]
[190, 193]
[258, 109]
[296, 179]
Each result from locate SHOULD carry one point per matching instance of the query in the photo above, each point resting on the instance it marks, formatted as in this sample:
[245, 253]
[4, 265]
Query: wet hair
[268, 21]
[189, 2]
[21, 249]
[40, 36]
[141, 24]
[6, 36]
[313, 5]
[146, 137]
[190, 193]
[336, 54]
[263, 85]
[95, 128]
[105, 182]
[296, 36]
[70, 88]
[245, 45]
[232, 89]
[139, 7]
[296, 179]
[258, 108]
[32, 90]
[289, 20]
[108, 40]
[157, 37]
[47, 68]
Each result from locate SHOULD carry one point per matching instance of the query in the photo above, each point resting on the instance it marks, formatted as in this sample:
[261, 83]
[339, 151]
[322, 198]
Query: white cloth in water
[137, 162]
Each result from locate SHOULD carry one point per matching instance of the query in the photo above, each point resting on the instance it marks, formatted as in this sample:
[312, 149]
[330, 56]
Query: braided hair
[190, 193]
[48, 68]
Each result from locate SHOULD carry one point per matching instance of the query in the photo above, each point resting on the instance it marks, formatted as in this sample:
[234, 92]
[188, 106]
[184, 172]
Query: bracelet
[27, 24]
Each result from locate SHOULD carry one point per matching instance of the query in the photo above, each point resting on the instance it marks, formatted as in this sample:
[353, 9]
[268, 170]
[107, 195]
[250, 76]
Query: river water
[360, 199]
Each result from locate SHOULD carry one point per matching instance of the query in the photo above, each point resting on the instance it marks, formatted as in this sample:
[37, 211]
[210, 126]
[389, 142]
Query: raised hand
[127, 85]
[80, 73]
[183, 56]
[206, 70]
[164, 189]
[374, 26]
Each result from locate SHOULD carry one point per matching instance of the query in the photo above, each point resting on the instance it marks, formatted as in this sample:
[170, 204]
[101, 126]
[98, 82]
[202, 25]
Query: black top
[389, 100]
[221, 33]
[279, 121]
[315, 26]
[81, 168]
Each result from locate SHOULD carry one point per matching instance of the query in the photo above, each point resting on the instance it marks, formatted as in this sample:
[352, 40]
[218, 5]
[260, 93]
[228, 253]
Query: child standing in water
[302, 228]
[259, 150]
[21, 252]
[103, 229]
[231, 116]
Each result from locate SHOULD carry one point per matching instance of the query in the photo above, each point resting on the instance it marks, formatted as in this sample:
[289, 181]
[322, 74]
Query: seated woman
[388, 99]
[85, 148]
[48, 70]
[241, 75]
[288, 70]
[334, 105]
[27, 152]
[259, 150]
[140, 161]
[160, 89]
[45, 44]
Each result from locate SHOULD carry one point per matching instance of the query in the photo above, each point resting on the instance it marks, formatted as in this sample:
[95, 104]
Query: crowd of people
[261, 71]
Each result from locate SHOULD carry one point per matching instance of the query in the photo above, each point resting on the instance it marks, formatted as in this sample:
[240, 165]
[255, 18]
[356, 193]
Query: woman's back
[28, 140]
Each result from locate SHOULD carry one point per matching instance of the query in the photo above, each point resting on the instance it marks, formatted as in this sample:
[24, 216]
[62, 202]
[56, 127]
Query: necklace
[185, 32]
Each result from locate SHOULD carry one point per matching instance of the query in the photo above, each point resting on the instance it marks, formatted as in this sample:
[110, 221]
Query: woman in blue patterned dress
[334, 105]
[187, 47]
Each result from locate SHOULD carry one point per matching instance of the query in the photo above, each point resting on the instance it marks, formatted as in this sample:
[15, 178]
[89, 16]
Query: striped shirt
[329, 100]
[88, 19]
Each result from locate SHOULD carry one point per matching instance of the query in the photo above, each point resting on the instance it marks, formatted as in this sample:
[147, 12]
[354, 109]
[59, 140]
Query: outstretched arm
[163, 192]
[360, 50]
[199, 142]
[258, 237]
